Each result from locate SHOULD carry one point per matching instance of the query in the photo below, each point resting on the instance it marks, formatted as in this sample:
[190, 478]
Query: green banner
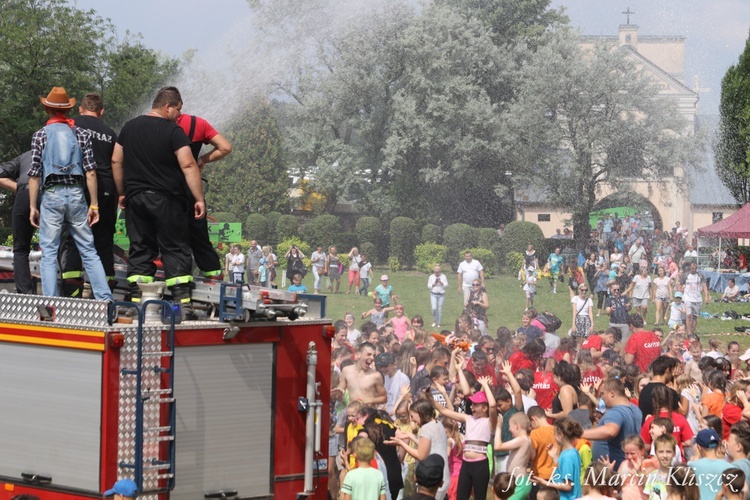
[224, 232]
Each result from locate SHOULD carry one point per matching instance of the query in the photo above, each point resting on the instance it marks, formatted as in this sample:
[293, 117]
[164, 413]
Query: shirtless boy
[362, 380]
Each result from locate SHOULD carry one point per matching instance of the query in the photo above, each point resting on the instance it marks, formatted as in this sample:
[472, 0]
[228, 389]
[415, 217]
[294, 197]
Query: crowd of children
[527, 414]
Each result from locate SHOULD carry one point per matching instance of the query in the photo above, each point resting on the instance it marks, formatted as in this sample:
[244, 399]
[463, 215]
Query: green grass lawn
[507, 302]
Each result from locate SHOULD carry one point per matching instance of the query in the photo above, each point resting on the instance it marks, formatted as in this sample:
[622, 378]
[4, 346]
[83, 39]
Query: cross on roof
[628, 13]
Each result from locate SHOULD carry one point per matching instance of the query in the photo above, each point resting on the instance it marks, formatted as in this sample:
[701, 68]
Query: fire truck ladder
[162, 471]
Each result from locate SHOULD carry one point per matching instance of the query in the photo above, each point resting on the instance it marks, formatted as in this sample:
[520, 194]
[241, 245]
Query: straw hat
[58, 99]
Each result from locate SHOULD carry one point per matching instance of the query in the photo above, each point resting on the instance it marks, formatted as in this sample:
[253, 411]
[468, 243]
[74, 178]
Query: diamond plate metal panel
[76, 312]
[152, 341]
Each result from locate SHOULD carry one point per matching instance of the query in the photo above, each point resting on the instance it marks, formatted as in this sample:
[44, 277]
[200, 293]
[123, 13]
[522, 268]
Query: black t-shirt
[646, 398]
[103, 141]
[149, 144]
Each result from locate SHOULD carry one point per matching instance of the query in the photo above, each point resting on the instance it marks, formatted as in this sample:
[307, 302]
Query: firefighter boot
[135, 293]
[72, 287]
[181, 295]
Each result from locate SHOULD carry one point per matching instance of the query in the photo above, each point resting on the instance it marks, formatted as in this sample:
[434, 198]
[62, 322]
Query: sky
[715, 31]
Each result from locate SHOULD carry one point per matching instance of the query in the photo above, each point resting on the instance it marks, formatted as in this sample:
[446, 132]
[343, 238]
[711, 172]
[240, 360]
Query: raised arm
[485, 381]
[458, 417]
[515, 387]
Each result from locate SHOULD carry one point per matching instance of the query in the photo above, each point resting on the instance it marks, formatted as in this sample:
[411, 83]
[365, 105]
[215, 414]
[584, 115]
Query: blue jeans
[436, 301]
[365, 282]
[65, 206]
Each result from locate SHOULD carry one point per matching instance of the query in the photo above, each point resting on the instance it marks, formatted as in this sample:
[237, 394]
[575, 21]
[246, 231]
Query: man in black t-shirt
[103, 143]
[663, 369]
[151, 163]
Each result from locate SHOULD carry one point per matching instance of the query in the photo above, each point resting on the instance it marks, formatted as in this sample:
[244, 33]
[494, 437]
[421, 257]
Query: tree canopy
[47, 43]
[584, 118]
[732, 148]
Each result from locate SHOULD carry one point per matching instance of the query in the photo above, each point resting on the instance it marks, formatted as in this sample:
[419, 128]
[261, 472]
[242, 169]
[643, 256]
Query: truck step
[158, 466]
[165, 428]
[156, 392]
[158, 439]
[158, 401]
[160, 354]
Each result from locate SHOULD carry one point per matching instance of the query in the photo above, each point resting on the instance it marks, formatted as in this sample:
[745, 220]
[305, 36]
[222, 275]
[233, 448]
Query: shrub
[344, 258]
[273, 219]
[518, 235]
[256, 228]
[283, 247]
[394, 264]
[404, 237]
[368, 229]
[344, 242]
[487, 237]
[427, 255]
[485, 257]
[457, 237]
[287, 226]
[224, 217]
[370, 250]
[322, 230]
[430, 233]
[514, 261]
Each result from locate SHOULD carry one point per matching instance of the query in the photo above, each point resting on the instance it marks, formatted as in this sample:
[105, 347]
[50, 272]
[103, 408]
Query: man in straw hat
[151, 163]
[61, 158]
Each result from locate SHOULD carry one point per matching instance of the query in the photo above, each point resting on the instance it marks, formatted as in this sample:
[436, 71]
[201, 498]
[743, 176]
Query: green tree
[511, 21]
[253, 178]
[132, 74]
[732, 147]
[580, 120]
[44, 43]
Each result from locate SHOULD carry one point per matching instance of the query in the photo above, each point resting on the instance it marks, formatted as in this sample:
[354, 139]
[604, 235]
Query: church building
[693, 196]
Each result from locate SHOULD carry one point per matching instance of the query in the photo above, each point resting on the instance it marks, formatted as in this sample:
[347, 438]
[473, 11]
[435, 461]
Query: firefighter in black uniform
[14, 176]
[200, 132]
[151, 163]
[103, 141]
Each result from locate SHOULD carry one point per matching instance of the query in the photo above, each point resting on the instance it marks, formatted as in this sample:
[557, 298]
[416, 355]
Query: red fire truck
[189, 410]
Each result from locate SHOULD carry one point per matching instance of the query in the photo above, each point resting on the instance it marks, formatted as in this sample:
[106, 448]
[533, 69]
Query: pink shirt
[400, 327]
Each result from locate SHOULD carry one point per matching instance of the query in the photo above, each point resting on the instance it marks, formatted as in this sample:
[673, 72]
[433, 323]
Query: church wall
[702, 216]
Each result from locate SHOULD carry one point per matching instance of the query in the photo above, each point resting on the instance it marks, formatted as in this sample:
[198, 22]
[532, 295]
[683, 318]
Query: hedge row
[404, 242]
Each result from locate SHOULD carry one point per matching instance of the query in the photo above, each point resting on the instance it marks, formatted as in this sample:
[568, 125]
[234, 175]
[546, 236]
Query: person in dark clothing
[103, 141]
[379, 428]
[663, 368]
[428, 477]
[14, 176]
[200, 132]
[151, 163]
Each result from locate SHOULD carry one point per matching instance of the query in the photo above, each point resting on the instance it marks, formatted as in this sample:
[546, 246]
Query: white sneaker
[433, 325]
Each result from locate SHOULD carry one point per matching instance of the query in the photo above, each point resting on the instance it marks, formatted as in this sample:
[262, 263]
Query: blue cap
[707, 438]
[124, 487]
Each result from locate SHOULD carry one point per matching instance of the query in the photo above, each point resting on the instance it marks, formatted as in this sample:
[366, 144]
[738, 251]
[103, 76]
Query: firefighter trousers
[203, 251]
[104, 232]
[23, 232]
[156, 223]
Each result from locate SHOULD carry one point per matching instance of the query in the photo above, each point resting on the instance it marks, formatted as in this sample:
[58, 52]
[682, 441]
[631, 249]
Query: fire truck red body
[68, 427]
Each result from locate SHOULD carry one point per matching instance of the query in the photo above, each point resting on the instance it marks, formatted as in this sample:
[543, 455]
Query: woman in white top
[431, 439]
[615, 256]
[663, 286]
[583, 313]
